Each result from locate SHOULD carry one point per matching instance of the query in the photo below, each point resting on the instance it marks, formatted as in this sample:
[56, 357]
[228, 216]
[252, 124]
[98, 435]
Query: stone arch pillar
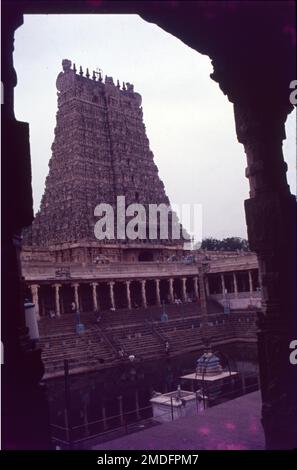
[271, 223]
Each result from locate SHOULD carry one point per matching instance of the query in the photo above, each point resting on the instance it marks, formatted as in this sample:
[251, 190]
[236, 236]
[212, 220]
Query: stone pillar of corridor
[34, 291]
[184, 289]
[57, 299]
[129, 303]
[223, 284]
[196, 292]
[235, 284]
[171, 291]
[158, 298]
[271, 223]
[76, 298]
[143, 293]
[206, 283]
[111, 293]
[94, 296]
[203, 297]
[250, 281]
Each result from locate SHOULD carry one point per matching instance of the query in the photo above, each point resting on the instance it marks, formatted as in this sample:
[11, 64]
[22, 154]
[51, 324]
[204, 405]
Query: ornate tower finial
[66, 64]
[98, 72]
[74, 68]
[129, 86]
[87, 73]
[94, 76]
[124, 86]
[118, 84]
[81, 71]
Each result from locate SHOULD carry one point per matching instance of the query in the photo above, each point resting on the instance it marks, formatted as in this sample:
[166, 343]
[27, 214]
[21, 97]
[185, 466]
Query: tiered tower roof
[100, 151]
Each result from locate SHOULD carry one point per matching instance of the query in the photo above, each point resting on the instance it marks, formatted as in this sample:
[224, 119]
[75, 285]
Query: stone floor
[234, 425]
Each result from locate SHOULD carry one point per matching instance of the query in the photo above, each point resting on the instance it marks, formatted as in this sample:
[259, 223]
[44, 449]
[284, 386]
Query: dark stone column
[271, 222]
[25, 422]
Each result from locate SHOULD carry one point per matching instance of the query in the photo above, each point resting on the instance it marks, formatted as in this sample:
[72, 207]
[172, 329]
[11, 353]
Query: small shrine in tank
[209, 365]
[211, 377]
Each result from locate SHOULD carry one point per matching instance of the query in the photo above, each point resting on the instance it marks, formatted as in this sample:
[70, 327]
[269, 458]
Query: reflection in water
[118, 397]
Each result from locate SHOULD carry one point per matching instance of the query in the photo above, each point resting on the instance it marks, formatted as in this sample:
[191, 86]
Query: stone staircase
[140, 315]
[139, 332]
[138, 340]
[59, 341]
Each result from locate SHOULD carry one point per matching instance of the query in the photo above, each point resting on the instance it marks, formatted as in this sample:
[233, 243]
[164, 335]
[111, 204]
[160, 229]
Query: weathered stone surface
[100, 151]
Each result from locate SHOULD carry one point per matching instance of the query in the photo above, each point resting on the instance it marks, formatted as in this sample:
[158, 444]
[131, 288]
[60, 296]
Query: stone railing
[34, 271]
[106, 271]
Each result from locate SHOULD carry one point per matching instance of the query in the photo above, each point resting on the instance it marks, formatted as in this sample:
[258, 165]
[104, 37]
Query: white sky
[189, 121]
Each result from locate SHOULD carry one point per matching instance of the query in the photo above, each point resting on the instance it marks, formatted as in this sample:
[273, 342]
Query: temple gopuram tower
[100, 151]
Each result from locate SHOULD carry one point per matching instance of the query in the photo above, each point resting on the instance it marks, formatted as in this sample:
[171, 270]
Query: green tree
[235, 243]
[211, 244]
[227, 244]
